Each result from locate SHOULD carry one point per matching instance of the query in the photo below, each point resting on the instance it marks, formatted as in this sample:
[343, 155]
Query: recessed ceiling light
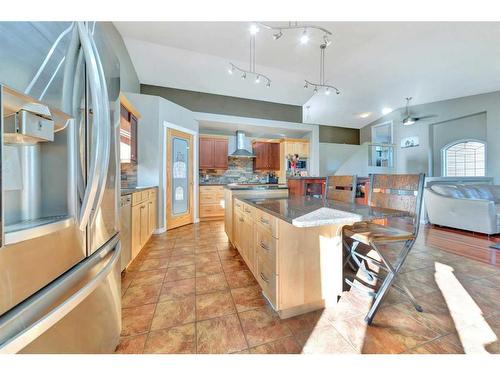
[386, 110]
[365, 114]
[254, 29]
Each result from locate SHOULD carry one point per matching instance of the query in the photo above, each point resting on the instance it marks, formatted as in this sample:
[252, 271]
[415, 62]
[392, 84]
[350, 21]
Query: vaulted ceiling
[374, 64]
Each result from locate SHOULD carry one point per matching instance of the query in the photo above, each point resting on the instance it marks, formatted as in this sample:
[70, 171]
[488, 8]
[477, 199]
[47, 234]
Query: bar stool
[341, 188]
[399, 192]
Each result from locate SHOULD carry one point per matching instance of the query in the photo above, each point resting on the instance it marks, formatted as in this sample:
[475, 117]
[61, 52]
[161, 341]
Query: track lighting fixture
[304, 37]
[322, 83]
[258, 76]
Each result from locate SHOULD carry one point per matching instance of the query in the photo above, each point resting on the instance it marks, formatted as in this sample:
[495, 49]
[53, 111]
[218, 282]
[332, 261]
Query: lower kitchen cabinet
[211, 202]
[295, 267]
[144, 218]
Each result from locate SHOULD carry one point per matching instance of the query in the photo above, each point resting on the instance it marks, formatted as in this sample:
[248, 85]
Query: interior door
[179, 179]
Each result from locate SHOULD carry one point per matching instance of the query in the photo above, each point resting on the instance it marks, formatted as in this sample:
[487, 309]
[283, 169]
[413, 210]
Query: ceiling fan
[410, 119]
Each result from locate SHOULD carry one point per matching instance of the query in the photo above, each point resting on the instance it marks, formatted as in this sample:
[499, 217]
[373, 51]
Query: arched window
[464, 158]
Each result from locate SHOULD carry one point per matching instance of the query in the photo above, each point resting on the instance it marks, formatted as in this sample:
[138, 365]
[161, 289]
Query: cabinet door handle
[247, 210]
[264, 221]
[241, 219]
[264, 278]
[263, 245]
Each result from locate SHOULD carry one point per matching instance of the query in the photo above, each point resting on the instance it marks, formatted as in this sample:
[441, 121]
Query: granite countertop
[305, 177]
[313, 212]
[255, 186]
[127, 191]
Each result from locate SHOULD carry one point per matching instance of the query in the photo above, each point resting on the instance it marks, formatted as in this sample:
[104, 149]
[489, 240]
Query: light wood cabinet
[144, 218]
[298, 269]
[211, 202]
[136, 230]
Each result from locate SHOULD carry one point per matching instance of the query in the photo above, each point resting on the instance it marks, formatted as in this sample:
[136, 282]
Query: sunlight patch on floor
[473, 330]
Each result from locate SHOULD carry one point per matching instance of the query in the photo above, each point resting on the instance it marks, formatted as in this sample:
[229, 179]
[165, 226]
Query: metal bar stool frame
[392, 270]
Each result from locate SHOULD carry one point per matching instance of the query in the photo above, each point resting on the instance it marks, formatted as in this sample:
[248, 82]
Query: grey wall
[421, 158]
[128, 76]
[226, 105]
[155, 113]
[444, 133]
[335, 134]
[333, 155]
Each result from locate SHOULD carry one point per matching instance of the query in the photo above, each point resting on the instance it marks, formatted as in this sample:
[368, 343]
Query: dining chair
[341, 188]
[399, 192]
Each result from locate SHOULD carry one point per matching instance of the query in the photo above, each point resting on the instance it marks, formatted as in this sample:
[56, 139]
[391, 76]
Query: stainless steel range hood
[241, 152]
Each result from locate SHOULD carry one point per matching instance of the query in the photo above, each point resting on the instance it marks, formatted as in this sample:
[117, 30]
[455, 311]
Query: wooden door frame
[174, 222]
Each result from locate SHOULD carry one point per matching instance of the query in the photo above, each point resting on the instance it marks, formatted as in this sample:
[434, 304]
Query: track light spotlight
[304, 38]
[243, 76]
[315, 89]
[257, 80]
[327, 91]
[268, 84]
[230, 70]
[306, 85]
[254, 29]
[277, 35]
[327, 40]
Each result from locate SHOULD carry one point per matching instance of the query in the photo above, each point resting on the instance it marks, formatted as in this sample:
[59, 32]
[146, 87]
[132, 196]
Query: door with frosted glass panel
[179, 179]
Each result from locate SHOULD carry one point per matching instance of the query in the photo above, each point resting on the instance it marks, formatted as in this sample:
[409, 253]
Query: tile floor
[188, 291]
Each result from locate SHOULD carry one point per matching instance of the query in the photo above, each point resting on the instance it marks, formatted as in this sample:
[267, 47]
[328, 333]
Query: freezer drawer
[80, 312]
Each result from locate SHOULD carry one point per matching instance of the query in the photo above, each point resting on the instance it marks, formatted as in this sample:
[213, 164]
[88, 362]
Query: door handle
[264, 278]
[94, 171]
[40, 325]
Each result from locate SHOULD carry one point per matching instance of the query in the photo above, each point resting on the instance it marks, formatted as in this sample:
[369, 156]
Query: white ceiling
[374, 64]
[256, 131]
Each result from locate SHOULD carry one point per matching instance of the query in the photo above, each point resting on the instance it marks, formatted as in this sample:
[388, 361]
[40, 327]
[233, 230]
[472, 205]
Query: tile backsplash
[128, 176]
[239, 170]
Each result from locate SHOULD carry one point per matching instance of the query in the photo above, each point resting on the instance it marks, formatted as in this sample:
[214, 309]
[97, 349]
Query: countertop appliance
[60, 249]
[301, 165]
[125, 230]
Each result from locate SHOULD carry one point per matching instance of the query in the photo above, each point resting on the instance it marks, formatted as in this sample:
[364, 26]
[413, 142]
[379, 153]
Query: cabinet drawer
[145, 195]
[248, 210]
[267, 279]
[265, 247]
[136, 198]
[238, 205]
[267, 222]
[211, 210]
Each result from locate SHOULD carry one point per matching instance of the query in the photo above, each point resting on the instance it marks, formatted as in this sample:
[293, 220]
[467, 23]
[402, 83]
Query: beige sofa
[474, 208]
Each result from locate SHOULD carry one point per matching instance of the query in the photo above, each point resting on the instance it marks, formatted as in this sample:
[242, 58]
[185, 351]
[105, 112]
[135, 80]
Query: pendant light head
[304, 38]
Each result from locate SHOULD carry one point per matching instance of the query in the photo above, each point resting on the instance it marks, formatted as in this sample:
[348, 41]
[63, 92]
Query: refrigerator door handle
[97, 137]
[106, 134]
[22, 339]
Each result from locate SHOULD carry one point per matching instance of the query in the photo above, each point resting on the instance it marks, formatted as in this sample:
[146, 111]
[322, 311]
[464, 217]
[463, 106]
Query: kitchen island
[293, 247]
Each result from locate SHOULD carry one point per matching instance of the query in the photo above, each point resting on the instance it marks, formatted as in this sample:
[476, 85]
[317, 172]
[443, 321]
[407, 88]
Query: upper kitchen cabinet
[296, 146]
[267, 156]
[213, 153]
[128, 131]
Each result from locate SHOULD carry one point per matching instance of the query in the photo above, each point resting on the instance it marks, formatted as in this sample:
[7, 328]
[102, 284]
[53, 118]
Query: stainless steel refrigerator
[59, 223]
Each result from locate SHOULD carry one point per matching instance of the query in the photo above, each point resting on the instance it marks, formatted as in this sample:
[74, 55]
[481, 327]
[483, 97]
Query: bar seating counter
[293, 246]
